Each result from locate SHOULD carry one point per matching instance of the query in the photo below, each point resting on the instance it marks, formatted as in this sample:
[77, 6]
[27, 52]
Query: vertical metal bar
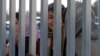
[33, 32]
[2, 26]
[98, 42]
[44, 28]
[86, 28]
[70, 28]
[21, 28]
[12, 28]
[57, 28]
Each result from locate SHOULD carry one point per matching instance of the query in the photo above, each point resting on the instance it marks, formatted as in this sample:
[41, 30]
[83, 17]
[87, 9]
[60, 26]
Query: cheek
[7, 50]
[16, 30]
[16, 33]
[50, 21]
[17, 27]
[50, 25]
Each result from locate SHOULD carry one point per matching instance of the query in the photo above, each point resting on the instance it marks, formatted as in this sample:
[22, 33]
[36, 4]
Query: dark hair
[63, 12]
[17, 16]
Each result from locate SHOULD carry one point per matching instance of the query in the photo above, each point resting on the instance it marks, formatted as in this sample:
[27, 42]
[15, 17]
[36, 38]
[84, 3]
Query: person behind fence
[16, 39]
[78, 31]
[50, 28]
[51, 25]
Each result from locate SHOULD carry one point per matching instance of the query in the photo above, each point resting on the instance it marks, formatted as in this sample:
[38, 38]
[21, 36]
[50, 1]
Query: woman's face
[50, 20]
[16, 29]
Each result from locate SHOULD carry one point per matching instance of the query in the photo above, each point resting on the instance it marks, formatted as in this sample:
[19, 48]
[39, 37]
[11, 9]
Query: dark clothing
[64, 51]
[38, 47]
[50, 51]
[26, 47]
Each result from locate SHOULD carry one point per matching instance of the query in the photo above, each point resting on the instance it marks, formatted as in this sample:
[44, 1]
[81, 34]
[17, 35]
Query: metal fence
[69, 25]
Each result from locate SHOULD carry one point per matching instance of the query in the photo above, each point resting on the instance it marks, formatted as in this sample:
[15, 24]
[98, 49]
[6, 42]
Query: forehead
[17, 20]
[50, 13]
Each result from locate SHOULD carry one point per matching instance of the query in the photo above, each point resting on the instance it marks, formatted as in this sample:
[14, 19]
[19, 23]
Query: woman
[50, 29]
[16, 38]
